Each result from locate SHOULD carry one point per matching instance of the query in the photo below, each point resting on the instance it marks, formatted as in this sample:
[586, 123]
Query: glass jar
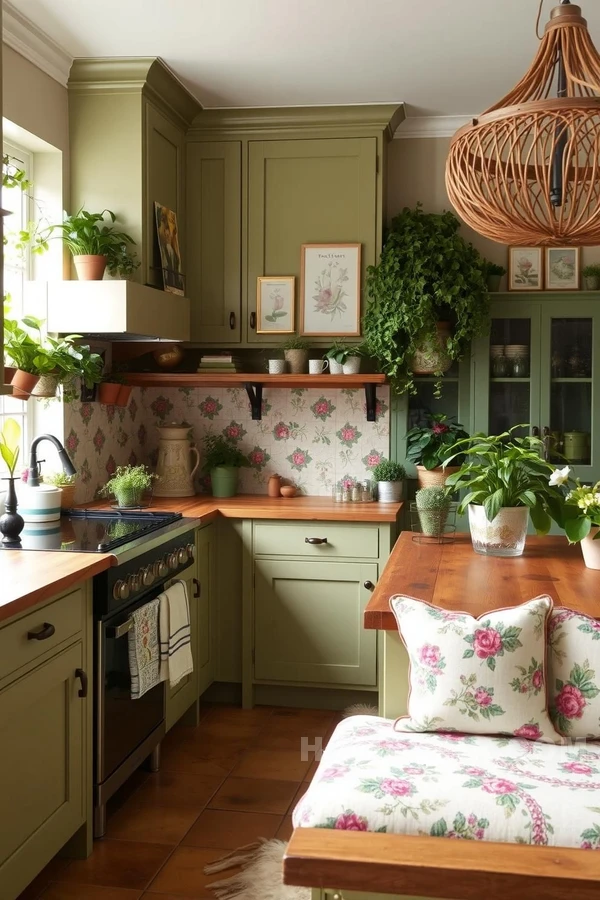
[367, 492]
[357, 493]
[499, 367]
[520, 367]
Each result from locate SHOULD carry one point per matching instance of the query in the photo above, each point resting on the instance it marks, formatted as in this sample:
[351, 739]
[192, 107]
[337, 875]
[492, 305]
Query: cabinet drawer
[283, 539]
[65, 615]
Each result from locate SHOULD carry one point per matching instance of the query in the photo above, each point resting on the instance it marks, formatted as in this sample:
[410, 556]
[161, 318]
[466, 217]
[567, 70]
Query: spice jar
[274, 486]
[357, 494]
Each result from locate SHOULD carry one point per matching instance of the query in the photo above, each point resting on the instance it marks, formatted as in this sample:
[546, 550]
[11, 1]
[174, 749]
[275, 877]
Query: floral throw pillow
[574, 673]
[478, 676]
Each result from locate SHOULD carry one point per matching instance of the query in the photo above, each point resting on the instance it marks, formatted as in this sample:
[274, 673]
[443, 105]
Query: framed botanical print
[330, 290]
[525, 268]
[275, 304]
[562, 268]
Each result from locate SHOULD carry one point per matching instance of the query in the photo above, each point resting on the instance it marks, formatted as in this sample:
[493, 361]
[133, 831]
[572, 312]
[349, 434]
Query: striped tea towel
[174, 626]
[144, 651]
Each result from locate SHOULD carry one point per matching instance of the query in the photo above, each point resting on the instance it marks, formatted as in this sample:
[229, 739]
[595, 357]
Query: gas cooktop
[93, 531]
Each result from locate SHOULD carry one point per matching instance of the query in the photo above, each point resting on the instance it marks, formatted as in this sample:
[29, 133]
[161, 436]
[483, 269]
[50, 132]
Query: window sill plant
[128, 486]
[591, 277]
[295, 352]
[507, 482]
[390, 477]
[95, 245]
[222, 461]
[428, 448]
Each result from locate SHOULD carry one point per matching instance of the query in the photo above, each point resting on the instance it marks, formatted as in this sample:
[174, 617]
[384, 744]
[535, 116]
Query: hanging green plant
[427, 276]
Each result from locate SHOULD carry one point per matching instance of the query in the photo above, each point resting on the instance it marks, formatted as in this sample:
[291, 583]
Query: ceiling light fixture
[527, 171]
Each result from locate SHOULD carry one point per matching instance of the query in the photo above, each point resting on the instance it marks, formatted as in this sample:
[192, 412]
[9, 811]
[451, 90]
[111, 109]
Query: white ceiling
[441, 57]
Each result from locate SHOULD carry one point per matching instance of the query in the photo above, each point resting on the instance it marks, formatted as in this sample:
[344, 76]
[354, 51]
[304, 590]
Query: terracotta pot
[591, 549]
[297, 360]
[123, 395]
[434, 477]
[46, 386]
[431, 355]
[9, 371]
[108, 393]
[505, 536]
[23, 384]
[89, 267]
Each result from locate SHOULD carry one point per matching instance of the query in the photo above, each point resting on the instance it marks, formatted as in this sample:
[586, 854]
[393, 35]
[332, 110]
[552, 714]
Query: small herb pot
[493, 283]
[89, 266]
[591, 282]
[297, 361]
[335, 367]
[108, 393]
[224, 481]
[23, 384]
[390, 491]
[129, 498]
[123, 395]
[351, 366]
[46, 387]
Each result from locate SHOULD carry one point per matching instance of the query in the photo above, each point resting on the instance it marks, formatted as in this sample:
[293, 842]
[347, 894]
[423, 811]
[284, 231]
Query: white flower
[560, 476]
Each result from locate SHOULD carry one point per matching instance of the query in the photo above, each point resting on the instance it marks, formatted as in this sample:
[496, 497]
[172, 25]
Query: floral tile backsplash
[314, 439]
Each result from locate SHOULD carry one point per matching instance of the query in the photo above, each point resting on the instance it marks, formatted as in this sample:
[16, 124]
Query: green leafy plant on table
[223, 461]
[128, 485]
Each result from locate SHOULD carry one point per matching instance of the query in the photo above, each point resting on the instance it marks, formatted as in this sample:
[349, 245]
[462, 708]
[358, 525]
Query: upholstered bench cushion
[372, 778]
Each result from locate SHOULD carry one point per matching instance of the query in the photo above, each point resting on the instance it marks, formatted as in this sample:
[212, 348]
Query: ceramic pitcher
[174, 467]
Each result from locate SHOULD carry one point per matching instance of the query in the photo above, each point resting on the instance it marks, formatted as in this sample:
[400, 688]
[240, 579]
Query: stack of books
[221, 363]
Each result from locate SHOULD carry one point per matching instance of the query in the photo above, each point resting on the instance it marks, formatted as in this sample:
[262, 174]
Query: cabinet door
[206, 612]
[308, 622]
[42, 758]
[307, 191]
[164, 183]
[214, 247]
[180, 698]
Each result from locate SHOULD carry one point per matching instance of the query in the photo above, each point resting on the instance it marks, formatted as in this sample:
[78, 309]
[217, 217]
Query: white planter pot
[390, 491]
[591, 550]
[39, 504]
[505, 536]
[335, 368]
[351, 366]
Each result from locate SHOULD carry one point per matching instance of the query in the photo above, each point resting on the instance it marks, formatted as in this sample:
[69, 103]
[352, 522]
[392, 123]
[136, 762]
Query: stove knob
[120, 590]
[182, 556]
[160, 569]
[147, 576]
[172, 560]
[190, 549]
[134, 584]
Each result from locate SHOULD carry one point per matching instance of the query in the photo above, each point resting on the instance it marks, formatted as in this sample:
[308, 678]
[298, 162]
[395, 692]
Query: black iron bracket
[254, 392]
[371, 401]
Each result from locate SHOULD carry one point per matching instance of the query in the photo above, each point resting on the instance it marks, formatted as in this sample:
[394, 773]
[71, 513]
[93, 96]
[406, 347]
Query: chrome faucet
[33, 472]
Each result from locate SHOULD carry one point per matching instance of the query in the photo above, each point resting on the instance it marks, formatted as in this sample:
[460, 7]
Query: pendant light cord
[537, 21]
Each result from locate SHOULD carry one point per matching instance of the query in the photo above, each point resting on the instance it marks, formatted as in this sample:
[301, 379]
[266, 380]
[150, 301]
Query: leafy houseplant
[389, 476]
[591, 277]
[222, 461]
[493, 274]
[336, 356]
[428, 447]
[295, 351]
[11, 523]
[433, 504]
[506, 481]
[93, 244]
[128, 485]
[28, 357]
[428, 276]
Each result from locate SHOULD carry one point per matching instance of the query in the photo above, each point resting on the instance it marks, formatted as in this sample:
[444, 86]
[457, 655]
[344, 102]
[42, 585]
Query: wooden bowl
[288, 490]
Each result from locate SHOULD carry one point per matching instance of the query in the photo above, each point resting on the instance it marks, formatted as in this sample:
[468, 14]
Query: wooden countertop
[454, 577]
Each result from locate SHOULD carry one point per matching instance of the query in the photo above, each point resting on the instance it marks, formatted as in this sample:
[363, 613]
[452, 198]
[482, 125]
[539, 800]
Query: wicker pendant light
[527, 171]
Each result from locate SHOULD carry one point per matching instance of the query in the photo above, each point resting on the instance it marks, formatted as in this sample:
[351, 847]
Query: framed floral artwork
[562, 268]
[330, 290]
[525, 268]
[275, 304]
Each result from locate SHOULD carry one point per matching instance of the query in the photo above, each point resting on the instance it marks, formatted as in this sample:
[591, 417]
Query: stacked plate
[496, 350]
[517, 351]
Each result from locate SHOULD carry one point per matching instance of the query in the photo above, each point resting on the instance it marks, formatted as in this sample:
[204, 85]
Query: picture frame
[170, 254]
[563, 268]
[330, 282]
[525, 268]
[275, 304]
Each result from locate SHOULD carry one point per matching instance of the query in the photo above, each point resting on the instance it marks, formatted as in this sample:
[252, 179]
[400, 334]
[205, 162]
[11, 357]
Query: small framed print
[330, 290]
[525, 268]
[275, 304]
[562, 268]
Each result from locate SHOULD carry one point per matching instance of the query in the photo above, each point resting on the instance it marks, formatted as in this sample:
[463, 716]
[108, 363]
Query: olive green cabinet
[214, 243]
[185, 693]
[205, 558]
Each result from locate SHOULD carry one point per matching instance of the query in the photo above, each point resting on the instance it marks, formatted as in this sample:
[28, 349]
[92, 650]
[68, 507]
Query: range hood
[116, 311]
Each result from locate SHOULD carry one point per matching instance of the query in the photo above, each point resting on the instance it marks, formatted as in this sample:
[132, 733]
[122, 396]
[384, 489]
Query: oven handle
[119, 631]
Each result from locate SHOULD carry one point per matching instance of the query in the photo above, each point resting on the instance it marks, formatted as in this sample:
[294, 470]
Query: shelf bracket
[254, 392]
[371, 401]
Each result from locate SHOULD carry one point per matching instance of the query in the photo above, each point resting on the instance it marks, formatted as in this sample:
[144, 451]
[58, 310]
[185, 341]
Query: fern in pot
[432, 505]
[128, 486]
[223, 461]
[390, 477]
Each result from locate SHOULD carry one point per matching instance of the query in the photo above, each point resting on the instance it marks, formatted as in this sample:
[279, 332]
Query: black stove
[93, 530]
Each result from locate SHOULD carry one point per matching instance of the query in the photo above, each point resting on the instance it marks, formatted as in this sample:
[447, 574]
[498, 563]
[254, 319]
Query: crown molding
[431, 126]
[25, 38]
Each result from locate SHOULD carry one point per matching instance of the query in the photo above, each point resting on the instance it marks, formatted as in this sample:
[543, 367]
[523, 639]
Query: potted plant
[432, 504]
[427, 298]
[92, 243]
[591, 277]
[89, 369]
[493, 275]
[67, 484]
[11, 523]
[389, 477]
[222, 461]
[295, 351]
[108, 389]
[28, 357]
[428, 447]
[580, 517]
[507, 482]
[128, 486]
[336, 356]
[120, 262]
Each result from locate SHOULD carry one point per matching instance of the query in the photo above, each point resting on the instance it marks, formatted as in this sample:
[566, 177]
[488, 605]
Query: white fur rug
[259, 877]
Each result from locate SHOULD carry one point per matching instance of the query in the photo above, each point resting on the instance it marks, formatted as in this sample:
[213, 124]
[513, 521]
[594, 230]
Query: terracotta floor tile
[284, 832]
[281, 735]
[291, 714]
[207, 758]
[184, 875]
[118, 864]
[126, 791]
[149, 896]
[282, 765]
[244, 734]
[177, 789]
[218, 828]
[46, 876]
[88, 892]
[254, 795]
[233, 715]
[145, 821]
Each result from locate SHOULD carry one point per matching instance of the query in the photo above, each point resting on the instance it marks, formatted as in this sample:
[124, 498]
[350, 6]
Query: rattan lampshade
[527, 171]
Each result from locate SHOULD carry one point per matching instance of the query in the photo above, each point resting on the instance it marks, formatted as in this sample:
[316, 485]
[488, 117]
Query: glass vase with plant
[129, 485]
[222, 461]
[389, 476]
[432, 505]
[11, 523]
[295, 351]
[92, 242]
[428, 298]
[428, 448]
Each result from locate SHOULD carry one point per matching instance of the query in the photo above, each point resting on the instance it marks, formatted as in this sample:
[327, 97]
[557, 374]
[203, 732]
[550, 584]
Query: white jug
[174, 466]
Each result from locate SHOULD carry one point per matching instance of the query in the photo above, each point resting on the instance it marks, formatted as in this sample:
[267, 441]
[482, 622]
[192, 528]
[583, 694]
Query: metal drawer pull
[232, 320]
[82, 675]
[315, 540]
[120, 631]
[369, 585]
[45, 632]
[252, 320]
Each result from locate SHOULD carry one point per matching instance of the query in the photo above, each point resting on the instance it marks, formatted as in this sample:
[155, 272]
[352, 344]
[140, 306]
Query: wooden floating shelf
[254, 384]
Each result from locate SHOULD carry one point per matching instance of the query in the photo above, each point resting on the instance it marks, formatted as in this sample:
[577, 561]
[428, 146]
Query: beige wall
[35, 101]
[416, 172]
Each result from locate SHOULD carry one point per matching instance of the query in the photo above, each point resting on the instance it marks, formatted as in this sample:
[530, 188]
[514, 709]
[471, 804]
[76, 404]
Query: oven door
[121, 724]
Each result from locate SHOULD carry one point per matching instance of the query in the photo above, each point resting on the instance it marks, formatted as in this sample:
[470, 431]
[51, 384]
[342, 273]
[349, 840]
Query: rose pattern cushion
[474, 787]
[482, 676]
[574, 673]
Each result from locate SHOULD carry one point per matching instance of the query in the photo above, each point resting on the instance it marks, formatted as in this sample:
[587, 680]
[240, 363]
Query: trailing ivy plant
[427, 273]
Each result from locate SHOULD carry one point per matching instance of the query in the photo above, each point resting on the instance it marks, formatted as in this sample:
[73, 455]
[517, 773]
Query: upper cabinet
[260, 183]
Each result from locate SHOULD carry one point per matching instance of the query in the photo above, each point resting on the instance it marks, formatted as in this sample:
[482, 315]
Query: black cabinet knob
[232, 321]
[369, 585]
[252, 320]
[82, 675]
[45, 632]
